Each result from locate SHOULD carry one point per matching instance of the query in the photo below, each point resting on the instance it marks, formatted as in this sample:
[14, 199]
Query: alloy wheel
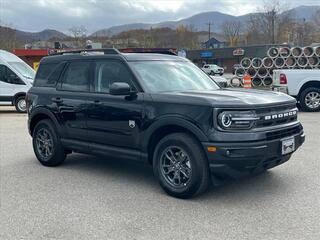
[312, 100]
[44, 143]
[176, 166]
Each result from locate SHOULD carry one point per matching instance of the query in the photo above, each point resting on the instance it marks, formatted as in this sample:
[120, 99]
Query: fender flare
[172, 121]
[43, 111]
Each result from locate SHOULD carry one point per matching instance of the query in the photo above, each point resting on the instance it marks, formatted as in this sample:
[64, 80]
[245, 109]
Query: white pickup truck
[303, 84]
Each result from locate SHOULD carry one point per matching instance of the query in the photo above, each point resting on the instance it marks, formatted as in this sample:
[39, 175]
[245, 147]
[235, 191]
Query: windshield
[23, 69]
[167, 76]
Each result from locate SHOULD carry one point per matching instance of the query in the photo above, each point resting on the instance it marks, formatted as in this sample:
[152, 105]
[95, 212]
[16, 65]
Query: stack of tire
[261, 69]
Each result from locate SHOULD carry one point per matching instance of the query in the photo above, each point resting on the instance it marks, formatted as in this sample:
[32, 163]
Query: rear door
[71, 99]
[114, 120]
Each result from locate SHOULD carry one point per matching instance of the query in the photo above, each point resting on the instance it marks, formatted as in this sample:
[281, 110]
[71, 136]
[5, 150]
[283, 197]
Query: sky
[36, 15]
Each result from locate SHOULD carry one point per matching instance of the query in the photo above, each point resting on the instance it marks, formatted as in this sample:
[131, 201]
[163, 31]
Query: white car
[16, 78]
[303, 84]
[223, 82]
[212, 69]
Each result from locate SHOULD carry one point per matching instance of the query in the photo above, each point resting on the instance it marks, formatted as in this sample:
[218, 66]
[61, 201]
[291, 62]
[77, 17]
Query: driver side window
[108, 72]
[8, 76]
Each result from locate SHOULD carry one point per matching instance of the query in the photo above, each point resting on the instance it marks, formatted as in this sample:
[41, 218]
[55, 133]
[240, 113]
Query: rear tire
[47, 145]
[180, 165]
[20, 104]
[310, 99]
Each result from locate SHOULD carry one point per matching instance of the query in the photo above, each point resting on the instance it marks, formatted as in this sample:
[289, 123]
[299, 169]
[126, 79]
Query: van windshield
[23, 69]
[167, 76]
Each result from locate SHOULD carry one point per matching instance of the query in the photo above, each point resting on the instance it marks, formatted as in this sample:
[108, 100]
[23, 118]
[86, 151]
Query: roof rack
[89, 51]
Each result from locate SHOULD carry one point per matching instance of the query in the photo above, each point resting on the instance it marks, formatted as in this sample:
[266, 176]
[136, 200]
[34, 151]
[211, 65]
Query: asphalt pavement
[98, 198]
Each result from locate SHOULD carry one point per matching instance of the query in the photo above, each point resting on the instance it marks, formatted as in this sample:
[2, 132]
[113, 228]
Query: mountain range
[198, 22]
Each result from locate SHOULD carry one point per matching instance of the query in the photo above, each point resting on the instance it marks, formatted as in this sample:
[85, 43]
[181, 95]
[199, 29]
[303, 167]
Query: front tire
[310, 99]
[180, 166]
[20, 104]
[47, 145]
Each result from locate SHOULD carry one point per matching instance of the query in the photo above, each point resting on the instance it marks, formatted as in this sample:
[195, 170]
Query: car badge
[132, 123]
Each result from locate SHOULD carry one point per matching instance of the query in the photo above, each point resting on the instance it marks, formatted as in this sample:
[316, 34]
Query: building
[228, 56]
[32, 56]
[216, 41]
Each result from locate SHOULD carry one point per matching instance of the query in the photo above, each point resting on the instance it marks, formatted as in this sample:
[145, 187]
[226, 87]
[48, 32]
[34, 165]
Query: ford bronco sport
[160, 109]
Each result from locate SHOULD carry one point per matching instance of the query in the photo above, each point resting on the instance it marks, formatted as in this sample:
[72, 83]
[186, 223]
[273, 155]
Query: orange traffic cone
[246, 81]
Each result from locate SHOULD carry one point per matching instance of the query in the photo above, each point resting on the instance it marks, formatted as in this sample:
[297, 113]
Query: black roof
[126, 56]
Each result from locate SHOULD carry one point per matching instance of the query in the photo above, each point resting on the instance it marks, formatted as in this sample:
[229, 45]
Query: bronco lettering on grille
[280, 115]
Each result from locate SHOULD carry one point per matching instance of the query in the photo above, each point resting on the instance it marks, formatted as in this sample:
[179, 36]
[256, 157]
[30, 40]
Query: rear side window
[48, 74]
[76, 77]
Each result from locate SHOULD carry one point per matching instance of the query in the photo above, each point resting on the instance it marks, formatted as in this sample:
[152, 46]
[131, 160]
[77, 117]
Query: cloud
[36, 15]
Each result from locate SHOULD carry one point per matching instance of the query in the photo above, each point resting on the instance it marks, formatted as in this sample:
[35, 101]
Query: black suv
[161, 109]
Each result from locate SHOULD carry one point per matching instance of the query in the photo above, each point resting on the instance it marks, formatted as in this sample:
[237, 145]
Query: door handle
[96, 102]
[57, 100]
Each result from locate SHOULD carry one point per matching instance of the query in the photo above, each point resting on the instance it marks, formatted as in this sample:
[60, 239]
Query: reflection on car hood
[239, 97]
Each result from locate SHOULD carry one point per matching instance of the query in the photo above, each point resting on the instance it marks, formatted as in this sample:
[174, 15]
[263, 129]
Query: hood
[240, 97]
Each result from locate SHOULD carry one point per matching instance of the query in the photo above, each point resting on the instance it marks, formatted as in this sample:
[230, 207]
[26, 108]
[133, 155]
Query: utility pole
[209, 28]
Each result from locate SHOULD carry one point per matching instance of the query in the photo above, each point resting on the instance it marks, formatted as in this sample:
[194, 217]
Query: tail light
[283, 78]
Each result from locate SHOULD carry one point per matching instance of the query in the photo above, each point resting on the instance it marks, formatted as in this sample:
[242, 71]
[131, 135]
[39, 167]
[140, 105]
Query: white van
[16, 77]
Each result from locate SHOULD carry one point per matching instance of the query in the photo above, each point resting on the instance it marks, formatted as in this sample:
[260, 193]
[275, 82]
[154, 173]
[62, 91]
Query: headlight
[237, 119]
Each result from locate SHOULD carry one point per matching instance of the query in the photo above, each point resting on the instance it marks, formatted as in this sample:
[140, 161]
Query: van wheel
[180, 166]
[47, 145]
[310, 99]
[20, 104]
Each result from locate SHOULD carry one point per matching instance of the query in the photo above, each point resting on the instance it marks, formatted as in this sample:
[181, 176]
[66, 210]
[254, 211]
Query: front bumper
[237, 159]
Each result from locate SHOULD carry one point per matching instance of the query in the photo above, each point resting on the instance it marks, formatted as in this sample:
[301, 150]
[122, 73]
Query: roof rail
[88, 51]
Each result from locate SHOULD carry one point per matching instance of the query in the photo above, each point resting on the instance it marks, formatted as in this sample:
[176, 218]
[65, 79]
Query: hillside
[198, 21]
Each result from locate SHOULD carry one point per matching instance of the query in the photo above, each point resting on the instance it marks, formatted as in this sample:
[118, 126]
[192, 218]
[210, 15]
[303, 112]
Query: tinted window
[8, 76]
[76, 77]
[48, 74]
[108, 72]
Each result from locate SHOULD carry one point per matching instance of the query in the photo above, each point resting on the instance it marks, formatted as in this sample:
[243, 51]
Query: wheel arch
[16, 96]
[41, 114]
[164, 127]
[313, 83]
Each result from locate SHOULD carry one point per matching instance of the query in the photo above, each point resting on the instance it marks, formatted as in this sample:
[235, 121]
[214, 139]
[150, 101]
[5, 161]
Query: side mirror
[120, 88]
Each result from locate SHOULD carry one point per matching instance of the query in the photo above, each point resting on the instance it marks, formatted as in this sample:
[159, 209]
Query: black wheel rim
[44, 144]
[176, 166]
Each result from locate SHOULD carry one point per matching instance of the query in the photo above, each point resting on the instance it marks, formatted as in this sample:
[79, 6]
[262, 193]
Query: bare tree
[231, 31]
[271, 24]
[78, 33]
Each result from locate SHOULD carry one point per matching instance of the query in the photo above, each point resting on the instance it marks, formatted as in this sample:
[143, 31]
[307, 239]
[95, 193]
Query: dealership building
[227, 57]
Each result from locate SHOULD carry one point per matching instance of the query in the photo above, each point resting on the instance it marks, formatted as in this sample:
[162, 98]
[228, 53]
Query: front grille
[262, 113]
[283, 133]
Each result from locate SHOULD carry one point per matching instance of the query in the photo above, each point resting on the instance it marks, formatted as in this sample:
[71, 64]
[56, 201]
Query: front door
[10, 84]
[114, 120]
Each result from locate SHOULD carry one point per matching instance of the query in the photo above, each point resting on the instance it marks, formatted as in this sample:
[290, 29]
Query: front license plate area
[288, 146]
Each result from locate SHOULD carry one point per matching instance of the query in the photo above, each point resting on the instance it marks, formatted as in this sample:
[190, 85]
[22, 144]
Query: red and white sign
[238, 52]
